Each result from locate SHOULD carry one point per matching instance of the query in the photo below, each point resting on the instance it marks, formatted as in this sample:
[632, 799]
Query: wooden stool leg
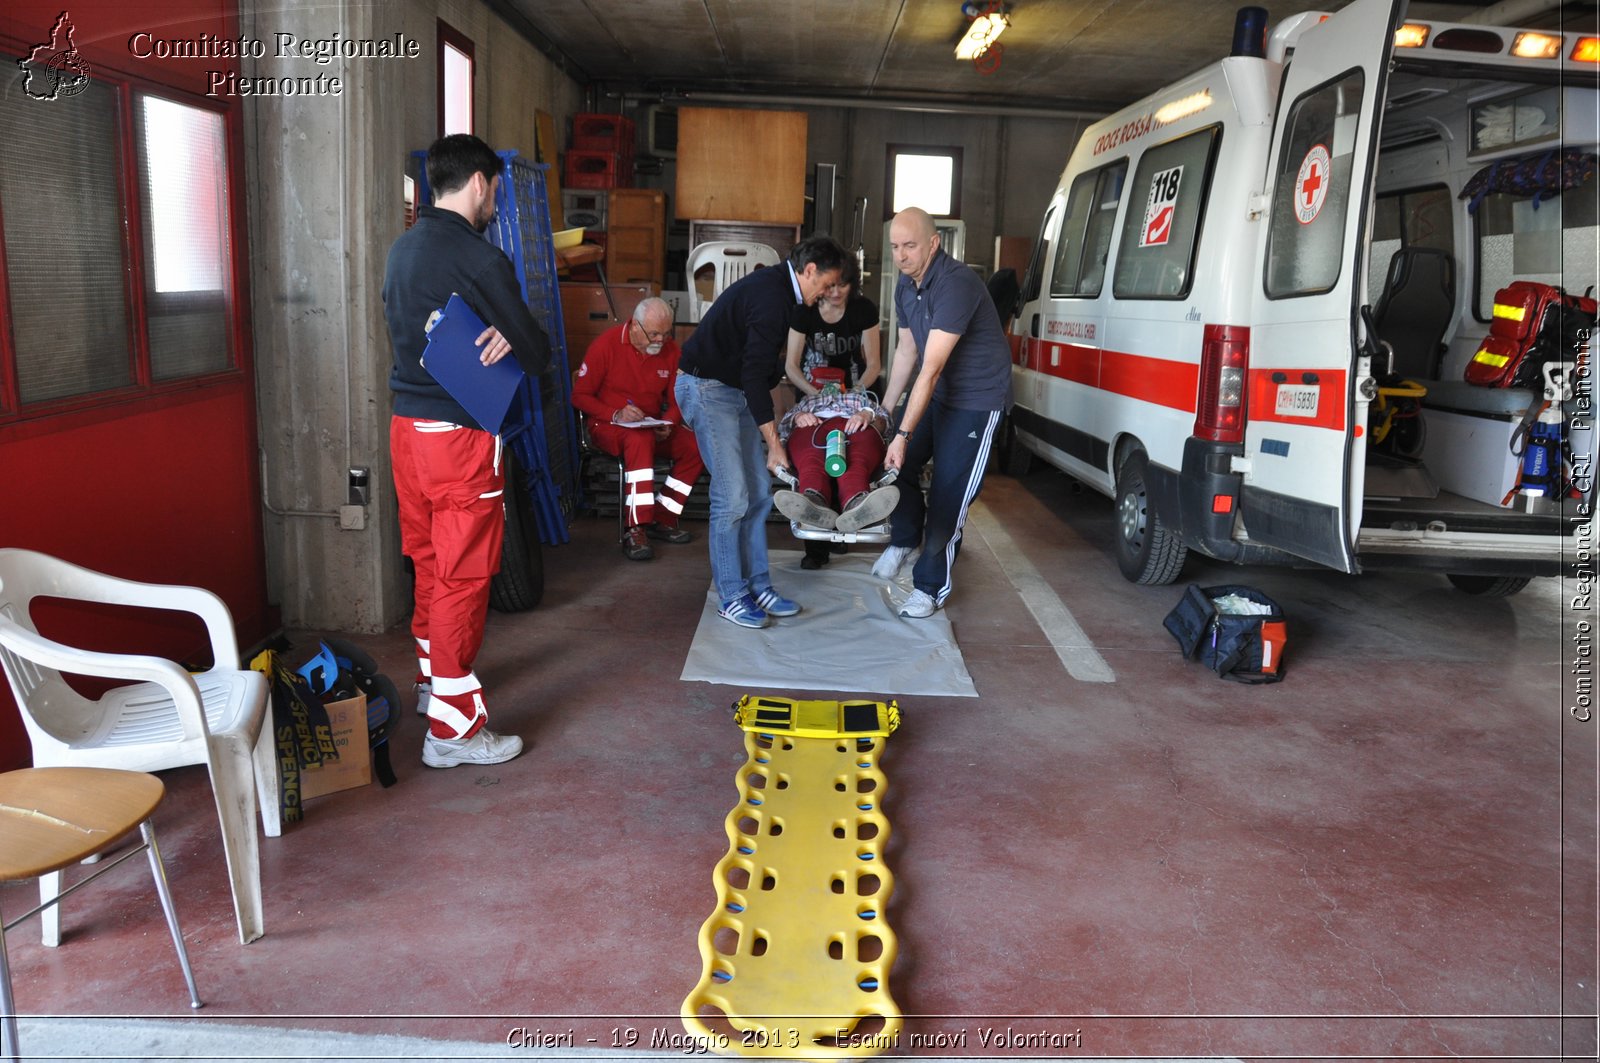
[8, 1007]
[158, 871]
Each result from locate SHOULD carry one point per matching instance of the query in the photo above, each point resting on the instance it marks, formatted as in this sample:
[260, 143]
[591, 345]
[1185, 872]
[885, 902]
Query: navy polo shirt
[953, 298]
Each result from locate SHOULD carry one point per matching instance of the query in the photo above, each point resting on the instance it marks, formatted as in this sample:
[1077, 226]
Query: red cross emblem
[1311, 184]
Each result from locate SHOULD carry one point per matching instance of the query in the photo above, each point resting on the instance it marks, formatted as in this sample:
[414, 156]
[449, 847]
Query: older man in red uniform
[624, 385]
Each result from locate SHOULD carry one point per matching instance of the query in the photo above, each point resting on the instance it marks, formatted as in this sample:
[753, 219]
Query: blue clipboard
[451, 358]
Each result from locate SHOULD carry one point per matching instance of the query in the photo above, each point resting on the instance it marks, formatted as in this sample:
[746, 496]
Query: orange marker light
[1536, 46]
[1587, 50]
[1411, 35]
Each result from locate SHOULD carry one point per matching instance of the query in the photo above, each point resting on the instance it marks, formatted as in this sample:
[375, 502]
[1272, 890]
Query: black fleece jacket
[442, 253]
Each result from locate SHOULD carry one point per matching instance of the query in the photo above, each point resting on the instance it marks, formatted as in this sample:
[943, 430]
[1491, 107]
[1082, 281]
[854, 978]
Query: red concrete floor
[1390, 854]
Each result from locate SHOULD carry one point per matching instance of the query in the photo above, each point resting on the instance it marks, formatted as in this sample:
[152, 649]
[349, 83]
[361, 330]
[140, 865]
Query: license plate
[1297, 400]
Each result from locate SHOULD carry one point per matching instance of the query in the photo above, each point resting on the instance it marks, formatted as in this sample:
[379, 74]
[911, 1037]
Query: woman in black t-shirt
[840, 332]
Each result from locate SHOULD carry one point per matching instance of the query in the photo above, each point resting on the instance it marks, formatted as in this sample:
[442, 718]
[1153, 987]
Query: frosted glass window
[183, 184]
[1553, 243]
[1311, 193]
[924, 181]
[457, 90]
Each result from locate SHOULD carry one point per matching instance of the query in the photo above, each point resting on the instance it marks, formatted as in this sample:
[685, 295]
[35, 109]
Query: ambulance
[1255, 294]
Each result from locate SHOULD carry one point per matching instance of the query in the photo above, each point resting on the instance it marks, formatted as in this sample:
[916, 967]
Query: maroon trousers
[864, 452]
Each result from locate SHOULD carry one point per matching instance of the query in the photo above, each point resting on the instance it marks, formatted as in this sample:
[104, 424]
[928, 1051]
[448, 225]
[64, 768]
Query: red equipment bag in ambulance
[1530, 324]
[1236, 631]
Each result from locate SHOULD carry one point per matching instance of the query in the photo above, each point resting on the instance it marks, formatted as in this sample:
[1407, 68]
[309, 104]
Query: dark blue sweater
[742, 338]
[439, 255]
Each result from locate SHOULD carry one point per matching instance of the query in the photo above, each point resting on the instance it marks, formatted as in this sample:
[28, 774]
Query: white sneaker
[918, 604]
[888, 564]
[485, 747]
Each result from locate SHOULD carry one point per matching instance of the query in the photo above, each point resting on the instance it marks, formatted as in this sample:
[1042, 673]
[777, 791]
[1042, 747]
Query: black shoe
[668, 533]
[635, 547]
[811, 564]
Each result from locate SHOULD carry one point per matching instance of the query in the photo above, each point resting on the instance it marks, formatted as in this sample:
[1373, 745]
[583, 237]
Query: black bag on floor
[1243, 647]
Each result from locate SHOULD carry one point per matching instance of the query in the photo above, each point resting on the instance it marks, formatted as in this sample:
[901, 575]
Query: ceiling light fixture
[982, 34]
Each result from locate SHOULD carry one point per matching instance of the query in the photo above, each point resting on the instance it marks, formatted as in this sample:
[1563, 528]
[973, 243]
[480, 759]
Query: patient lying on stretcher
[816, 501]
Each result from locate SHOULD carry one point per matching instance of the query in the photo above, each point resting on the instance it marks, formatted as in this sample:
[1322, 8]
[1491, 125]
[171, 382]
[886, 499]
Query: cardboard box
[348, 719]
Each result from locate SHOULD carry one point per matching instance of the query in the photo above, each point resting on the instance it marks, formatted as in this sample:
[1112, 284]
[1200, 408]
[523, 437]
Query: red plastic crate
[598, 169]
[602, 132]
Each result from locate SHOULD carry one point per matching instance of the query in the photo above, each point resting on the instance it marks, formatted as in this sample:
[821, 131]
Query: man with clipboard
[447, 471]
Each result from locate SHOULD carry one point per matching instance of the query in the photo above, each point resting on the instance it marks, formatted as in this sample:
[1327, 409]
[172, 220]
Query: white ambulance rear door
[1305, 438]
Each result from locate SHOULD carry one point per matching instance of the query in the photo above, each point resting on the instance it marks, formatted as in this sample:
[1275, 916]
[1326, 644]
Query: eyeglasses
[653, 337]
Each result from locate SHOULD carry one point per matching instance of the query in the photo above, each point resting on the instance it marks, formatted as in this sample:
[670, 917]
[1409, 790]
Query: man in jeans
[724, 388]
[447, 472]
[951, 335]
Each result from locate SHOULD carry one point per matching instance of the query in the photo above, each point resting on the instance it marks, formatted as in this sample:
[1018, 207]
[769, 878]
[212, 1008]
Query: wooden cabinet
[586, 313]
[636, 236]
[749, 165]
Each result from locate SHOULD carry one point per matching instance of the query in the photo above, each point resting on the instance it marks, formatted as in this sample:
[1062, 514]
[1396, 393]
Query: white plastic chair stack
[167, 718]
[731, 260]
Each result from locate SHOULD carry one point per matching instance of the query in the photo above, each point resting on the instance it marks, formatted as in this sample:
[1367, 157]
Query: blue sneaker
[776, 604]
[743, 611]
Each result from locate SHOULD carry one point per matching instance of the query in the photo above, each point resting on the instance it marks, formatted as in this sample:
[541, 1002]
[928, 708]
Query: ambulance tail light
[1224, 361]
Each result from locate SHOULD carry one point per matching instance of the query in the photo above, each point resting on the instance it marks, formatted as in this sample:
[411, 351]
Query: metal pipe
[870, 103]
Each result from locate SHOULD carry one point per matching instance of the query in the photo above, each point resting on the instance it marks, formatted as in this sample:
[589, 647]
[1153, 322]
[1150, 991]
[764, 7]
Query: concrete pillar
[325, 198]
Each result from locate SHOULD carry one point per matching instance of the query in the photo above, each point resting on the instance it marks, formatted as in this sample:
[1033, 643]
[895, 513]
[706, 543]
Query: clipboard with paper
[452, 358]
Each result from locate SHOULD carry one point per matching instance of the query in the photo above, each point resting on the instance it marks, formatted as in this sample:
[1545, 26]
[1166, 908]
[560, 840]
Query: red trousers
[452, 523]
[864, 452]
[638, 448]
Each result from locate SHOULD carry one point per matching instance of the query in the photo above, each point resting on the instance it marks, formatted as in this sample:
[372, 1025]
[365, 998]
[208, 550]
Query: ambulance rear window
[1311, 192]
[1080, 265]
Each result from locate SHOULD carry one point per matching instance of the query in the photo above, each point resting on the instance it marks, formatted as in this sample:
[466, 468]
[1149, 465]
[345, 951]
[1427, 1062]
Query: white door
[1305, 439]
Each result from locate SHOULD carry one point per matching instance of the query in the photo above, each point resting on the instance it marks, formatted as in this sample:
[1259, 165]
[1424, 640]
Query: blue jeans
[957, 441]
[741, 487]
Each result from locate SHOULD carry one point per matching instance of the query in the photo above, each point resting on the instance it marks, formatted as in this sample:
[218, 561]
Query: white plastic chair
[731, 260]
[166, 719]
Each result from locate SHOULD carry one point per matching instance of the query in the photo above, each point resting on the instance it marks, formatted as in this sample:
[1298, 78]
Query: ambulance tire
[1148, 551]
[519, 585]
[1015, 459]
[1488, 586]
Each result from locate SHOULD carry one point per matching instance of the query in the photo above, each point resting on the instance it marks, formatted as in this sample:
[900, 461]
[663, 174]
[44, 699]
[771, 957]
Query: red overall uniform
[615, 373]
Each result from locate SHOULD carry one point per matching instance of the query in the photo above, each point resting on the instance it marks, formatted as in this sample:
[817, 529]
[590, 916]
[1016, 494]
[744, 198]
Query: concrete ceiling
[1086, 56]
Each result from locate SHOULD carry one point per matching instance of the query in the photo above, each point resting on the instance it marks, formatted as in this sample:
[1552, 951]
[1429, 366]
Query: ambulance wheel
[1148, 551]
[1015, 459]
[519, 585]
[1489, 586]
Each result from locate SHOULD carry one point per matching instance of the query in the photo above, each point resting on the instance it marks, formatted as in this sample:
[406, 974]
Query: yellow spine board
[796, 956]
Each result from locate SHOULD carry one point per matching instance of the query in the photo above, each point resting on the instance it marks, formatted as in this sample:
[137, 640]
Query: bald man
[950, 337]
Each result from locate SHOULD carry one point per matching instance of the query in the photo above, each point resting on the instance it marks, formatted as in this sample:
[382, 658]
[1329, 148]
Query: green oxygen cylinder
[833, 460]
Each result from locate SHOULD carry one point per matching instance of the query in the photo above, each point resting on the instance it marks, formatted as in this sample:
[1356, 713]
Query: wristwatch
[902, 433]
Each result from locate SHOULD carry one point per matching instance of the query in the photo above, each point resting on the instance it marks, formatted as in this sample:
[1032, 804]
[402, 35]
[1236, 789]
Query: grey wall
[325, 197]
[1009, 167]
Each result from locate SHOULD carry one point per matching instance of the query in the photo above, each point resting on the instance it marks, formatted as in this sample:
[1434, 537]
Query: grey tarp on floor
[847, 640]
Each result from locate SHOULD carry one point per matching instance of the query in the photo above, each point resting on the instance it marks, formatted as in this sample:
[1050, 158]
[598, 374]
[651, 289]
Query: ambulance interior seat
[1416, 306]
[1415, 309]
